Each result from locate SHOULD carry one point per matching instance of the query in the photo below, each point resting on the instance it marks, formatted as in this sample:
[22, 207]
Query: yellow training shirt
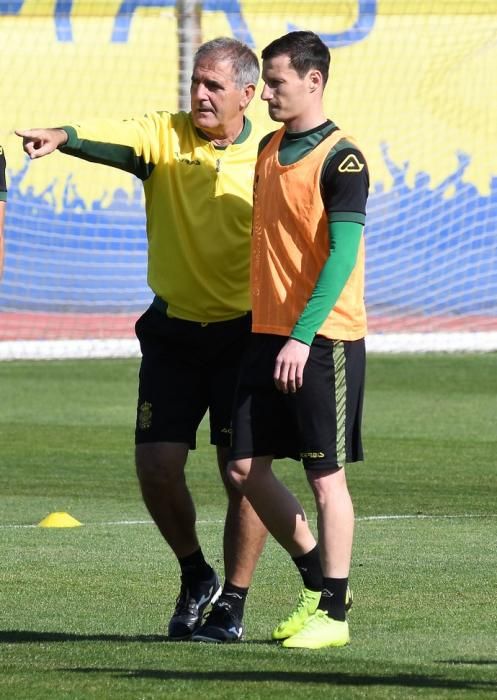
[198, 202]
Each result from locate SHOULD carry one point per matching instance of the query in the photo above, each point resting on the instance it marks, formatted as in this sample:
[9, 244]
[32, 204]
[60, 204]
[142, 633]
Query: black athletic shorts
[319, 424]
[187, 368]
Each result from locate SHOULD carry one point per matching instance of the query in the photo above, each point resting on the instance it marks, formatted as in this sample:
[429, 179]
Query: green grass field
[83, 610]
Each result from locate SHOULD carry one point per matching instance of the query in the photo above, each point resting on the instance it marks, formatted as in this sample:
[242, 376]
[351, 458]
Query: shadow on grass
[404, 680]
[27, 636]
[341, 679]
[30, 637]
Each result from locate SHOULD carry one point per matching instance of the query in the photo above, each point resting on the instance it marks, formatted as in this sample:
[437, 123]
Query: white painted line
[364, 518]
[421, 516]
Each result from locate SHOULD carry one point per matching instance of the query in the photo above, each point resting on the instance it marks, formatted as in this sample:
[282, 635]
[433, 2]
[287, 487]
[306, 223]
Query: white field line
[364, 519]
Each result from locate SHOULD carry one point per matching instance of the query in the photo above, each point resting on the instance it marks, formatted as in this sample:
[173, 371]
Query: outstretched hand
[40, 142]
[289, 366]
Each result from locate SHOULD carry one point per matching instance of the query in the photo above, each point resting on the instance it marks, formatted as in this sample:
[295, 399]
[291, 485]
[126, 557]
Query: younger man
[301, 387]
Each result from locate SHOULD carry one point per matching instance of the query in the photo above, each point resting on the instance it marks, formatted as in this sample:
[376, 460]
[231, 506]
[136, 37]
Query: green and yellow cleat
[319, 631]
[306, 606]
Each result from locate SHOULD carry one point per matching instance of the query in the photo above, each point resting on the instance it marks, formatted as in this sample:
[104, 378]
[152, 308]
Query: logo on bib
[350, 165]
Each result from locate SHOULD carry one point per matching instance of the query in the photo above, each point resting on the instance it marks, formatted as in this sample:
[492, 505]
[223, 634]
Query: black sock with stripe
[235, 596]
[309, 566]
[333, 597]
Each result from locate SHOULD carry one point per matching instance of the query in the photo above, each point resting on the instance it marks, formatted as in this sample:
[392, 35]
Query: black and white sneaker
[190, 605]
[221, 625]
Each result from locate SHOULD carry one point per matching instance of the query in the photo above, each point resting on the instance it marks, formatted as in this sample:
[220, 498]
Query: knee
[149, 472]
[237, 473]
[327, 484]
[153, 467]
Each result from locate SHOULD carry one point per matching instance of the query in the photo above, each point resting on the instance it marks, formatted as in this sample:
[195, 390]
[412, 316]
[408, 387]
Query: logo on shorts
[145, 415]
[312, 455]
[226, 430]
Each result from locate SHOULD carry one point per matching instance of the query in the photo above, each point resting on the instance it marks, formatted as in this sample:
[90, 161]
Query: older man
[197, 173]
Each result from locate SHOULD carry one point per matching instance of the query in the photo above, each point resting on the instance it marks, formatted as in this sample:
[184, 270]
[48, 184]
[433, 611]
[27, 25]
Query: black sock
[235, 596]
[194, 567]
[309, 566]
[333, 597]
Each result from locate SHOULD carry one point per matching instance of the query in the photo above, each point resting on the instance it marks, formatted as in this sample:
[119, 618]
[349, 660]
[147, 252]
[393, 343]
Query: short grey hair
[245, 64]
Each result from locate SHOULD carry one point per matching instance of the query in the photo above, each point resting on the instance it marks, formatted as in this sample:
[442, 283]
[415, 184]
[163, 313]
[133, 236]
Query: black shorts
[187, 368]
[319, 424]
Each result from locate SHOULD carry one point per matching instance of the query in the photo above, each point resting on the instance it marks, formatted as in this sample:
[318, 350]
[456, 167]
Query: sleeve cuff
[72, 138]
[303, 335]
[352, 217]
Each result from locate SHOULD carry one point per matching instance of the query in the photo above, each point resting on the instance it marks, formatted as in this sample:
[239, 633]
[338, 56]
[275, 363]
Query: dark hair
[305, 50]
[244, 61]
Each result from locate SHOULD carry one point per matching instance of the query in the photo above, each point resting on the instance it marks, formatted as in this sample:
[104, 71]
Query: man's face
[216, 102]
[284, 91]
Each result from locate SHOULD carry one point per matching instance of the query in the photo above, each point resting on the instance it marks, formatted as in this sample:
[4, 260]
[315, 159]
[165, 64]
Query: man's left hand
[289, 366]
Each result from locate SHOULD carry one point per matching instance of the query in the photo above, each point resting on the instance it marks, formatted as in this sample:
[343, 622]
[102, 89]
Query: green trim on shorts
[340, 400]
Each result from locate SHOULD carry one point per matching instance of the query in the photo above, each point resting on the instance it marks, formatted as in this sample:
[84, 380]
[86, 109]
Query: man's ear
[247, 95]
[315, 80]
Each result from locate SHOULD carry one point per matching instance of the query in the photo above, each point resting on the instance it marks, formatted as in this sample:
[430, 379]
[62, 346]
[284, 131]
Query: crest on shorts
[145, 415]
[350, 165]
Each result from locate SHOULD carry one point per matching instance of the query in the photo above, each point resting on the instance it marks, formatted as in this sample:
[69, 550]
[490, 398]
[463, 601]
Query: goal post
[189, 13]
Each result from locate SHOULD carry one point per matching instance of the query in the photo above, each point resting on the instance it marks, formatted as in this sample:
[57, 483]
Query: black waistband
[161, 305]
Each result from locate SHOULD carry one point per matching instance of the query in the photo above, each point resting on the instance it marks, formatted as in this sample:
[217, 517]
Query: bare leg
[278, 509]
[244, 533]
[160, 468]
[335, 521]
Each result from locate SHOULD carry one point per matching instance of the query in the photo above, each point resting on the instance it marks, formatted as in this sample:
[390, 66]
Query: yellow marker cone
[59, 520]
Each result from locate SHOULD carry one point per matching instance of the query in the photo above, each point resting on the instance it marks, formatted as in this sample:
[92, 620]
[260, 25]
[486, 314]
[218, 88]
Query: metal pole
[188, 13]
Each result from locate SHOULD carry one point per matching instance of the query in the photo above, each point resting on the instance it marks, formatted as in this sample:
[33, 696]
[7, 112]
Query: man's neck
[227, 137]
[305, 122]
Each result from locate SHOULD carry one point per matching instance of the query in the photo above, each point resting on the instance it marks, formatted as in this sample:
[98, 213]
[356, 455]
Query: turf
[83, 610]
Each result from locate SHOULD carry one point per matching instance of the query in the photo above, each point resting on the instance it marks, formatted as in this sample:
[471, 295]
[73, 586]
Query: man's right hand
[40, 142]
